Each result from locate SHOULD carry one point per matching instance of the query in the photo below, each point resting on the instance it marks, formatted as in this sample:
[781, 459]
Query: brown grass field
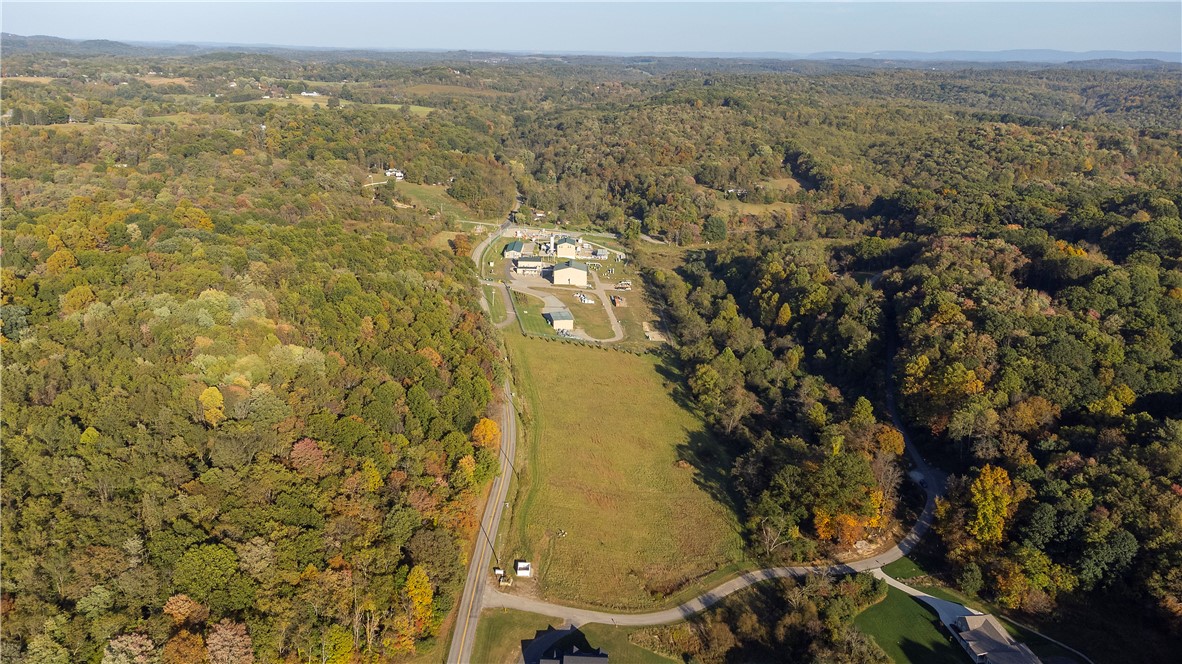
[602, 465]
[438, 89]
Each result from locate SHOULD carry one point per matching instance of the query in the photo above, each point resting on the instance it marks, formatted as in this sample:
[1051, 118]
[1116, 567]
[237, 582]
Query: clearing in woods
[435, 197]
[630, 476]
[442, 89]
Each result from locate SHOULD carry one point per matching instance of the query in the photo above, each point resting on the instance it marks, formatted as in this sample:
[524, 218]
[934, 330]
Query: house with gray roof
[987, 641]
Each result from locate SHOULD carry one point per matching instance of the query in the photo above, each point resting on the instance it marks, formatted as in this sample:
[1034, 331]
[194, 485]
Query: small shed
[561, 320]
[522, 568]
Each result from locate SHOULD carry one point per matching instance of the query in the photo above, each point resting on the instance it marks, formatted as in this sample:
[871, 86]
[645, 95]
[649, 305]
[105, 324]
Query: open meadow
[614, 511]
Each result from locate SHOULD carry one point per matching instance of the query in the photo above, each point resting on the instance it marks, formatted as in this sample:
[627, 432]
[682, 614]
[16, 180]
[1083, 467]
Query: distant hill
[773, 61]
[46, 44]
[1026, 55]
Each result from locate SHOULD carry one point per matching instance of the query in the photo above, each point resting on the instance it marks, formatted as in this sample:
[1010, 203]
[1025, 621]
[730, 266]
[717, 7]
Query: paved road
[471, 601]
[471, 604]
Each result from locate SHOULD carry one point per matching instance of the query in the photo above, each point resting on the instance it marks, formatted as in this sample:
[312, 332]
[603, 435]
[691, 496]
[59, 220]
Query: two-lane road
[472, 599]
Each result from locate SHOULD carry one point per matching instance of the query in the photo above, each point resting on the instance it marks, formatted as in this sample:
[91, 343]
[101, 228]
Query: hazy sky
[786, 27]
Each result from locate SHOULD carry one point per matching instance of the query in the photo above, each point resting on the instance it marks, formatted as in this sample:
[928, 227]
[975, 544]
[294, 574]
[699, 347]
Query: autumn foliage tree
[229, 643]
[486, 433]
[992, 499]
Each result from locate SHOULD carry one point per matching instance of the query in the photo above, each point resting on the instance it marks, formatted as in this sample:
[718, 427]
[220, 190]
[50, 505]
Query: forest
[244, 413]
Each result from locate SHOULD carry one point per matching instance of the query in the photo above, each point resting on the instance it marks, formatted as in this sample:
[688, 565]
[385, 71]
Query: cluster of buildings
[569, 272]
[533, 254]
[542, 243]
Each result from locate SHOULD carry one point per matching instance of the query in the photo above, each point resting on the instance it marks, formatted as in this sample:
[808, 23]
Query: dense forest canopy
[244, 399]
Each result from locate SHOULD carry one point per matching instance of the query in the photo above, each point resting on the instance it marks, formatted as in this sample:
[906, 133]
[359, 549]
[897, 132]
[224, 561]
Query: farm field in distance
[603, 453]
[435, 197]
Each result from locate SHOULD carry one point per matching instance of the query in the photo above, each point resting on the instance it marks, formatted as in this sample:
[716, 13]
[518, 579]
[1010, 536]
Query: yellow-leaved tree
[213, 405]
[486, 433]
[420, 594]
[992, 496]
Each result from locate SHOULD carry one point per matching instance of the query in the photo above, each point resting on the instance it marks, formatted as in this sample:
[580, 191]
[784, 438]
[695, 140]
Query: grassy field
[442, 239]
[529, 312]
[605, 437]
[439, 89]
[791, 185]
[756, 208]
[298, 100]
[28, 79]
[435, 197]
[903, 569]
[908, 631]
[414, 109]
[496, 303]
[164, 80]
[501, 632]
[590, 317]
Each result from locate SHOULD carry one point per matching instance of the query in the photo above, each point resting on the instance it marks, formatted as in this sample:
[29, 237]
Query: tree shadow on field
[702, 449]
[713, 463]
[669, 369]
[920, 653]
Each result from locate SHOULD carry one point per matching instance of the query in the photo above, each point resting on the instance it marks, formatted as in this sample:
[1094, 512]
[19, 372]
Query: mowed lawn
[501, 632]
[496, 303]
[908, 631]
[603, 452]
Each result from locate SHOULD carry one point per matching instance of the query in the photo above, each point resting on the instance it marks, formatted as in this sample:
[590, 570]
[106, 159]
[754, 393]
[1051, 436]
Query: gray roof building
[987, 642]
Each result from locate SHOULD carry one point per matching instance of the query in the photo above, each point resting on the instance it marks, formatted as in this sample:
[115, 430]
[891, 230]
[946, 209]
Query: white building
[570, 273]
[561, 320]
[566, 248]
[530, 265]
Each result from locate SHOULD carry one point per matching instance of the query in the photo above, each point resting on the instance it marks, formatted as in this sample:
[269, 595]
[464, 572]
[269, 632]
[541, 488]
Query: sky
[633, 27]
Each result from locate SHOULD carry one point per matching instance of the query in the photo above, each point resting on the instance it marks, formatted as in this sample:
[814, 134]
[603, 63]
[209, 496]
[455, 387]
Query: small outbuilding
[570, 273]
[522, 568]
[561, 320]
[514, 249]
